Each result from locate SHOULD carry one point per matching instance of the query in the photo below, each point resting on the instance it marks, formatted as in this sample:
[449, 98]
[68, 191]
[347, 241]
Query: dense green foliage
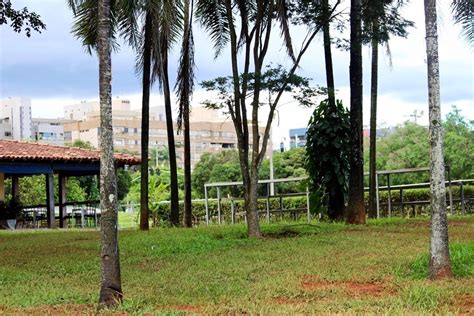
[295, 269]
[224, 167]
[327, 154]
[408, 147]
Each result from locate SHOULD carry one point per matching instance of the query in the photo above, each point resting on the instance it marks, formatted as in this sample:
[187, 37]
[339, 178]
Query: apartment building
[48, 130]
[15, 118]
[210, 132]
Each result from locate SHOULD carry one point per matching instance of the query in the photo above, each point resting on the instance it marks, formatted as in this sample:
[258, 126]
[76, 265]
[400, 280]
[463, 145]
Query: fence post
[463, 206]
[219, 204]
[389, 205]
[450, 190]
[377, 194]
[308, 205]
[207, 204]
[268, 203]
[232, 210]
[401, 202]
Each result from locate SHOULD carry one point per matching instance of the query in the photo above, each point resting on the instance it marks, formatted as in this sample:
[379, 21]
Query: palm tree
[356, 208]
[381, 20]
[335, 196]
[111, 285]
[160, 29]
[99, 36]
[185, 84]
[167, 20]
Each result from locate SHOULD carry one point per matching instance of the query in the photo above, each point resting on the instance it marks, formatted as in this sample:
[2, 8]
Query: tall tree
[111, 285]
[356, 207]
[440, 264]
[381, 20]
[320, 13]
[185, 85]
[248, 26]
[145, 67]
[169, 25]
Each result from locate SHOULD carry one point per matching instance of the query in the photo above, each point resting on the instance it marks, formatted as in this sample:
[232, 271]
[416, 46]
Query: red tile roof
[11, 150]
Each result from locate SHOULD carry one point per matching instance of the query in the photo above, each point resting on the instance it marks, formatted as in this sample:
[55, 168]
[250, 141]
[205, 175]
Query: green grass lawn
[296, 268]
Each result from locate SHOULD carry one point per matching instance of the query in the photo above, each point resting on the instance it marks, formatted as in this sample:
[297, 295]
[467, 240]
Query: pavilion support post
[50, 200]
[2, 187]
[15, 188]
[62, 200]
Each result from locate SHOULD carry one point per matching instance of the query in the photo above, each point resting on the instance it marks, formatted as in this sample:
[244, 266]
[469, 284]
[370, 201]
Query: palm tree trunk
[328, 55]
[111, 286]
[174, 214]
[144, 218]
[440, 264]
[188, 220]
[373, 122]
[356, 207]
[336, 196]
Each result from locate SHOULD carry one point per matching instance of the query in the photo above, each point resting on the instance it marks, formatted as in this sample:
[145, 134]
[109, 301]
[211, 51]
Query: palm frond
[212, 16]
[85, 26]
[282, 17]
[128, 12]
[463, 14]
[185, 81]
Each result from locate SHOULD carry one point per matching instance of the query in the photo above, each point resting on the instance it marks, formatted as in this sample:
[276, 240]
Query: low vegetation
[295, 268]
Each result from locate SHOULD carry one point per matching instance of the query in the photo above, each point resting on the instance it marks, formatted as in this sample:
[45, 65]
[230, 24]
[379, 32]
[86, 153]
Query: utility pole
[416, 115]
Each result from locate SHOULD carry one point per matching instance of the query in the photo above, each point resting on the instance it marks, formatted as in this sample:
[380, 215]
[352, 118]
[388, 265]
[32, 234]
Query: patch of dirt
[464, 304]
[354, 288]
[368, 289]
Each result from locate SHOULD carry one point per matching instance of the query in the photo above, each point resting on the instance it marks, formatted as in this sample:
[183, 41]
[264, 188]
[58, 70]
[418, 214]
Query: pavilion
[19, 159]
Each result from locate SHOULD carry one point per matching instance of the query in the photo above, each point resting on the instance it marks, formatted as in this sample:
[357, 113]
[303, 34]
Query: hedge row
[159, 212]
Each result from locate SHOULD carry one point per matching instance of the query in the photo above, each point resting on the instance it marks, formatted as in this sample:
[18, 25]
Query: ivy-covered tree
[20, 20]
[327, 155]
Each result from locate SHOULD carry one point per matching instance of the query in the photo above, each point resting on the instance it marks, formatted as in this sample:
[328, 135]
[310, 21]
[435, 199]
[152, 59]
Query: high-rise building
[15, 118]
[209, 131]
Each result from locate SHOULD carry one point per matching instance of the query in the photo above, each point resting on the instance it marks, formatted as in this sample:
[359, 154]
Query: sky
[54, 69]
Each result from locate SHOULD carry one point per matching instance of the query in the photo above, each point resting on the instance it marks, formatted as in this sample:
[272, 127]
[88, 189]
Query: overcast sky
[54, 70]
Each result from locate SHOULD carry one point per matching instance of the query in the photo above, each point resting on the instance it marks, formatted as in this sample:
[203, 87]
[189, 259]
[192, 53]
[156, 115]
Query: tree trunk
[336, 194]
[440, 264]
[144, 218]
[356, 207]
[336, 203]
[251, 206]
[188, 220]
[174, 214]
[328, 56]
[111, 285]
[373, 122]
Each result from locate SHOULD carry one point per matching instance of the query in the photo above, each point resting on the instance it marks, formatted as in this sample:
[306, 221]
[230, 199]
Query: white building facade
[15, 118]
